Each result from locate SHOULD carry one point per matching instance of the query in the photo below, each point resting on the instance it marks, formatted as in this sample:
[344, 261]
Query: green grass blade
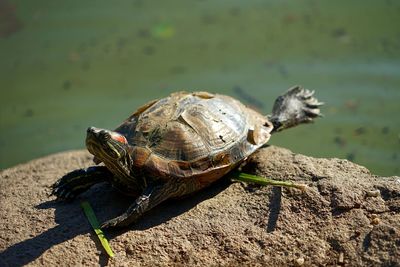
[249, 178]
[96, 227]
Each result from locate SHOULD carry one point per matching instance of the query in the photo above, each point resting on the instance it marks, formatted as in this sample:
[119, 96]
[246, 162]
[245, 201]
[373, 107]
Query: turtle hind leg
[78, 181]
[152, 195]
[296, 106]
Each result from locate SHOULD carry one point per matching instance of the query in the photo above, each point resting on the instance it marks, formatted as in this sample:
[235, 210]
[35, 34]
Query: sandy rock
[347, 216]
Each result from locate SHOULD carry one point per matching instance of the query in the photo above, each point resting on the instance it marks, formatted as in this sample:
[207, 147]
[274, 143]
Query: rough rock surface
[347, 216]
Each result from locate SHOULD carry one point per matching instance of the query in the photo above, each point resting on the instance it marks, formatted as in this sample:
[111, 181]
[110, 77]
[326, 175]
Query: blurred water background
[67, 65]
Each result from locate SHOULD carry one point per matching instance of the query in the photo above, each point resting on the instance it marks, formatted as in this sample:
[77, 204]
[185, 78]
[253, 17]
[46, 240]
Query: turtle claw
[62, 190]
[296, 106]
[67, 195]
[312, 113]
[306, 94]
[55, 191]
[63, 194]
[116, 222]
[313, 103]
[108, 224]
[72, 184]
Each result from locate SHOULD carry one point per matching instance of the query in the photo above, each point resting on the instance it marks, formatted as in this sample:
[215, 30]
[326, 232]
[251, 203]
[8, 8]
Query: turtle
[177, 145]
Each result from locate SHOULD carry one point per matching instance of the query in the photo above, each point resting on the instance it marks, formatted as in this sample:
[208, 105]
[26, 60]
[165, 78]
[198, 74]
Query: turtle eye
[120, 138]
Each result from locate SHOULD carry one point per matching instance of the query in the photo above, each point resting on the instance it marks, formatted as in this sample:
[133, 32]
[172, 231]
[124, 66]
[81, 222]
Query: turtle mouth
[111, 148]
[102, 146]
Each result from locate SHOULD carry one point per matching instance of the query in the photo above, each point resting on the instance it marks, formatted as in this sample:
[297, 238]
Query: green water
[67, 65]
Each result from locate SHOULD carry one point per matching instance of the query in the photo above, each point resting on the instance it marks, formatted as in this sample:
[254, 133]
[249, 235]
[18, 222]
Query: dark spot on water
[234, 11]
[387, 45]
[67, 85]
[289, 19]
[86, 65]
[363, 142]
[9, 22]
[270, 63]
[283, 71]
[202, 46]
[46, 44]
[143, 33]
[389, 2]
[360, 131]
[351, 156]
[243, 95]
[149, 50]
[29, 113]
[121, 43]
[307, 19]
[208, 19]
[341, 142]
[177, 70]
[16, 63]
[314, 54]
[385, 130]
[351, 105]
[222, 45]
[222, 138]
[40, 64]
[338, 130]
[106, 49]
[93, 42]
[339, 32]
[82, 47]
[394, 156]
[138, 3]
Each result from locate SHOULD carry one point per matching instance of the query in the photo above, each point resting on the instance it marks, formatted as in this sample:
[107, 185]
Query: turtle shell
[193, 135]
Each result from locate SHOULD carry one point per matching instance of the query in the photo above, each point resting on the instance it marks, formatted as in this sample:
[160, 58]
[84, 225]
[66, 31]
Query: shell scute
[144, 107]
[201, 164]
[178, 142]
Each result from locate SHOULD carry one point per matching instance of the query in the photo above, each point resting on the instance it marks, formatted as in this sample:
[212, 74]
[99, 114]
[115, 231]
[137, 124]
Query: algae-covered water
[67, 65]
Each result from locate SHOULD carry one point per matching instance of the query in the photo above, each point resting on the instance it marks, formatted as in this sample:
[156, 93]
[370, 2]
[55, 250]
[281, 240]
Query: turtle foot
[296, 106]
[78, 181]
[69, 186]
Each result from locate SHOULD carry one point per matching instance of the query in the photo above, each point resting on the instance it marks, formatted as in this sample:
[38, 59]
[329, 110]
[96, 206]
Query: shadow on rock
[28, 250]
[275, 203]
[169, 209]
[107, 203]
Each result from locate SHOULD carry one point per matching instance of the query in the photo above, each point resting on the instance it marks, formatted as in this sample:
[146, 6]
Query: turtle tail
[294, 107]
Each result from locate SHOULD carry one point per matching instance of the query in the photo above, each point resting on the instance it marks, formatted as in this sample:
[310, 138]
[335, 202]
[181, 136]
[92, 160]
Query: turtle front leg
[78, 181]
[151, 197]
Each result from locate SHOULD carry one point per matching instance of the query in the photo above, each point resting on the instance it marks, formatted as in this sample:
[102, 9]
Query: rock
[336, 221]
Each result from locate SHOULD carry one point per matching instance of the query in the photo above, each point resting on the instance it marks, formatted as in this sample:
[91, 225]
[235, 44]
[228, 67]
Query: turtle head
[109, 147]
